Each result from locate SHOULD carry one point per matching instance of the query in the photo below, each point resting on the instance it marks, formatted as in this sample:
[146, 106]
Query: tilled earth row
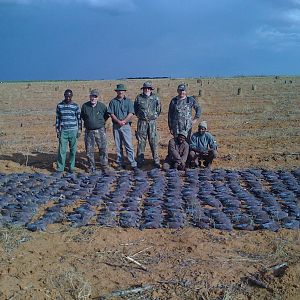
[247, 199]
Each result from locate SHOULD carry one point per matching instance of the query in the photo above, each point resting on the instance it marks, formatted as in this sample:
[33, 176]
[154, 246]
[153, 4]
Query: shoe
[91, 170]
[120, 168]
[156, 165]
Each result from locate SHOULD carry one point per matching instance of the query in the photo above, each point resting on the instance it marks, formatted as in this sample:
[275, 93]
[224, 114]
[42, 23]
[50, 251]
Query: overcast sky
[112, 39]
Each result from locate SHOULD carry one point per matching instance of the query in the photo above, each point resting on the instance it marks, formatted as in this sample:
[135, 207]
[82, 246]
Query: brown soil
[257, 127]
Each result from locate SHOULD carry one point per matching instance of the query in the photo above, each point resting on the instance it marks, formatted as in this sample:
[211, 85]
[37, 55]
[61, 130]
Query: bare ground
[257, 128]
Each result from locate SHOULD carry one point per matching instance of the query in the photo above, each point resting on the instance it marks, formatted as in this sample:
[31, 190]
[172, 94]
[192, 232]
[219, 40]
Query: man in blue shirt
[121, 110]
[203, 146]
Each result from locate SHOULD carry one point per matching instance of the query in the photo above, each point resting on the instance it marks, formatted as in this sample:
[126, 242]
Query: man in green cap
[68, 130]
[94, 115]
[147, 108]
[121, 111]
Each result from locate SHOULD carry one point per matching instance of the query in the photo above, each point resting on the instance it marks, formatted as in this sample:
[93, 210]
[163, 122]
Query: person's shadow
[47, 161]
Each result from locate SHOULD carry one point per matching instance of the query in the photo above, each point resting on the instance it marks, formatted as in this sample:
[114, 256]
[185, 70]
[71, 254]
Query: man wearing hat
[147, 108]
[94, 115]
[203, 146]
[178, 151]
[180, 114]
[68, 130]
[121, 111]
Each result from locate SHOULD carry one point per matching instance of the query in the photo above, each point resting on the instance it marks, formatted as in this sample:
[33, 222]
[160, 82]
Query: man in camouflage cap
[94, 115]
[147, 108]
[180, 112]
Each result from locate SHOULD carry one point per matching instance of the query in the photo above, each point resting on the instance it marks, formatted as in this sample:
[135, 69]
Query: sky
[114, 39]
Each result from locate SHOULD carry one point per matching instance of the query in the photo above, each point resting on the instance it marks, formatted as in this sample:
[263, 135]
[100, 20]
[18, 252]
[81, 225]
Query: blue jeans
[123, 136]
[66, 137]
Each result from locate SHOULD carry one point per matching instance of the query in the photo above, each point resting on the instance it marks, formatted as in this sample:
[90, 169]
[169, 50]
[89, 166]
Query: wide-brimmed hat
[147, 85]
[120, 87]
[94, 92]
[181, 87]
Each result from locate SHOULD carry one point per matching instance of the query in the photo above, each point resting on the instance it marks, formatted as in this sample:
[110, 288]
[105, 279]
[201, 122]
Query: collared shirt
[203, 142]
[147, 107]
[67, 116]
[94, 117]
[120, 107]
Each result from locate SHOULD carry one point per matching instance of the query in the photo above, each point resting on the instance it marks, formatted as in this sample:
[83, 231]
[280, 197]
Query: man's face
[181, 93]
[120, 94]
[181, 139]
[201, 130]
[147, 91]
[68, 97]
[93, 99]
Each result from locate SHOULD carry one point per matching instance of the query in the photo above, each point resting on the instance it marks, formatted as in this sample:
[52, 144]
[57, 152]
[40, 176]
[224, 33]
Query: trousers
[97, 136]
[67, 137]
[123, 137]
[147, 129]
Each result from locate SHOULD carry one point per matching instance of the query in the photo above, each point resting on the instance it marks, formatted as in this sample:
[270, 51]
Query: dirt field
[256, 122]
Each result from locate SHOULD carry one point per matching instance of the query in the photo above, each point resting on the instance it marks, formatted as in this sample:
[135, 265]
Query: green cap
[120, 87]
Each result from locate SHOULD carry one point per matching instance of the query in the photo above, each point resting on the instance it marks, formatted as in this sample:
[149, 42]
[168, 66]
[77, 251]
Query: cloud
[119, 5]
[292, 16]
[277, 39]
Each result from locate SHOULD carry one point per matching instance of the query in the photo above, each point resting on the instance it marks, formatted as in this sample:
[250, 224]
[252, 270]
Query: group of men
[184, 149]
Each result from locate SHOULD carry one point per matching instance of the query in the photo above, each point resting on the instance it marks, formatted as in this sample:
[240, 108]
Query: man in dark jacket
[178, 150]
[94, 114]
[180, 114]
[203, 146]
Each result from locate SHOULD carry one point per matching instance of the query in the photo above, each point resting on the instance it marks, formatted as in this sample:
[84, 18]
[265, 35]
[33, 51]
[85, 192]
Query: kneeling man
[202, 147]
[178, 150]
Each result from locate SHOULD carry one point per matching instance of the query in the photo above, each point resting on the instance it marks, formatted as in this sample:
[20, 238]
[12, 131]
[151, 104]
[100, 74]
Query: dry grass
[69, 284]
[11, 237]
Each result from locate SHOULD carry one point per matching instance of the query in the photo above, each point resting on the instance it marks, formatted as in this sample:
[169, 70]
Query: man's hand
[58, 134]
[78, 134]
[194, 121]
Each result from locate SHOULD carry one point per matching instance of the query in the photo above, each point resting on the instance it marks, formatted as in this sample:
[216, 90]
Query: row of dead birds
[223, 199]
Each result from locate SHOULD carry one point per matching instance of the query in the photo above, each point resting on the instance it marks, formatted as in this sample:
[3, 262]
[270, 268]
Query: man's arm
[170, 114]
[197, 109]
[128, 118]
[57, 121]
[158, 106]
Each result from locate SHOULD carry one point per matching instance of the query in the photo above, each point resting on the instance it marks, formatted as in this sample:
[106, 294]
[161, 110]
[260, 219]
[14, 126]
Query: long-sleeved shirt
[67, 116]
[180, 113]
[203, 142]
[94, 117]
[177, 152]
[147, 107]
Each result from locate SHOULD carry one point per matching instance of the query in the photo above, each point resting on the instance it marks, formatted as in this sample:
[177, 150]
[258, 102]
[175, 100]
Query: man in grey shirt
[203, 146]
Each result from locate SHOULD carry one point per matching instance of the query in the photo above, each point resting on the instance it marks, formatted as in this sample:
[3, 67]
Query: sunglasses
[94, 96]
